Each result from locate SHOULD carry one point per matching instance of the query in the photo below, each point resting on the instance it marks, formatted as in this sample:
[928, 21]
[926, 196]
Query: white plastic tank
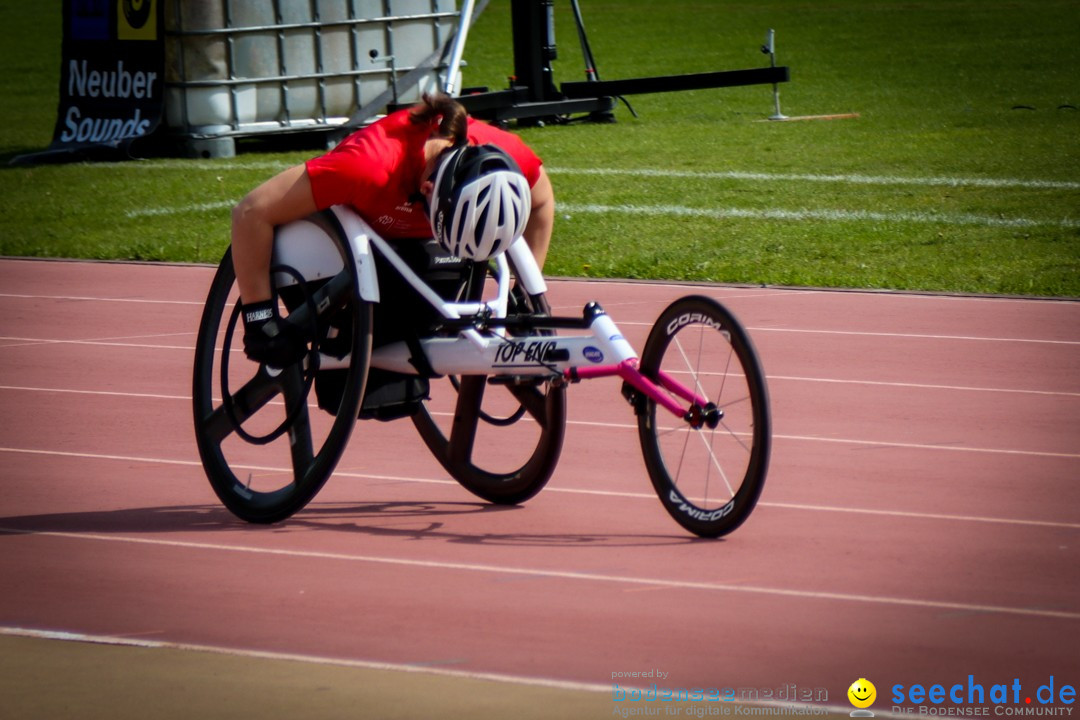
[248, 66]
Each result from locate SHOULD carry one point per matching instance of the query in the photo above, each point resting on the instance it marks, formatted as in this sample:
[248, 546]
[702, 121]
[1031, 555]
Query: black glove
[270, 340]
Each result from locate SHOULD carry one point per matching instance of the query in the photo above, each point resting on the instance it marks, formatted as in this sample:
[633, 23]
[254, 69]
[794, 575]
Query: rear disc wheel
[500, 440]
[265, 453]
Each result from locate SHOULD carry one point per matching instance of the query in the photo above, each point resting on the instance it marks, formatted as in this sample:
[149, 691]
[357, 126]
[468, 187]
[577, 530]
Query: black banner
[111, 77]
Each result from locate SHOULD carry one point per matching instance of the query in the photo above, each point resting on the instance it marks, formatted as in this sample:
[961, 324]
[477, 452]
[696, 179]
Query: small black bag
[387, 396]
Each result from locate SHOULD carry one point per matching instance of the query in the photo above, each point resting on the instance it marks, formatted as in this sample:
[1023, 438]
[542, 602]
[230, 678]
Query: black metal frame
[534, 99]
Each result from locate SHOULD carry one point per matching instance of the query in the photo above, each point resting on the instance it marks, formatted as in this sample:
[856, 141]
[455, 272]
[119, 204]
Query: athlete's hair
[439, 108]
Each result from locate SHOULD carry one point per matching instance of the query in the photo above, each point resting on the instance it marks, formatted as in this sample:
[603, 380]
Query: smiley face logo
[862, 693]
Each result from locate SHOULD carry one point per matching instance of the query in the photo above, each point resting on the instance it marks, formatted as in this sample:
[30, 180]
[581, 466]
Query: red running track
[920, 523]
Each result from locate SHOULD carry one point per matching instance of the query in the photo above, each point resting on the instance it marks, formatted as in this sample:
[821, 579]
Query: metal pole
[770, 48]
[458, 49]
[592, 73]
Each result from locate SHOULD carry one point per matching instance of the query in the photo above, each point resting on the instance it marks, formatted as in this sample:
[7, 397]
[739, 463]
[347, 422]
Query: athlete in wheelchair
[412, 253]
[430, 169]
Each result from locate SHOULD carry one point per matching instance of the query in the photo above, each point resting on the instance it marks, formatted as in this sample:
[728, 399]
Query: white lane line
[141, 301]
[567, 575]
[922, 515]
[808, 214]
[923, 386]
[25, 341]
[104, 393]
[721, 292]
[798, 215]
[32, 343]
[928, 446]
[608, 424]
[571, 491]
[195, 208]
[778, 707]
[770, 378]
[187, 166]
[754, 329]
[873, 443]
[869, 333]
[912, 336]
[849, 179]
[294, 657]
[870, 443]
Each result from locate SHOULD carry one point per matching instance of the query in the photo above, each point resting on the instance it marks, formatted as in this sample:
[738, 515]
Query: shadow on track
[407, 520]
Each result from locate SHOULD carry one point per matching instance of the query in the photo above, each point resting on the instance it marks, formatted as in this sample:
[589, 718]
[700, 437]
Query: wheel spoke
[325, 299]
[714, 462]
[300, 444]
[466, 416]
[247, 401]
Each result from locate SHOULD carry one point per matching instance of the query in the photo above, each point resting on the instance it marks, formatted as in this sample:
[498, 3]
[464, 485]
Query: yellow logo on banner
[136, 20]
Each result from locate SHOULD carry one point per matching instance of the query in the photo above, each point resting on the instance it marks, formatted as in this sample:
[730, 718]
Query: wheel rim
[266, 482]
[709, 477]
[500, 441]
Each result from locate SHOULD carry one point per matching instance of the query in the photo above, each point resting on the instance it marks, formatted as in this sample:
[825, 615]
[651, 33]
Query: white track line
[770, 214]
[562, 685]
[927, 446]
[868, 333]
[771, 378]
[608, 424]
[752, 329]
[653, 582]
[850, 179]
[825, 215]
[25, 341]
[753, 176]
[196, 208]
[106, 393]
[921, 386]
[293, 657]
[913, 336]
[35, 342]
[141, 301]
[798, 215]
[572, 491]
[721, 290]
[187, 166]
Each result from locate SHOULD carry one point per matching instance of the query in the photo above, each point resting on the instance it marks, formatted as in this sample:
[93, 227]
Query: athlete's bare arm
[541, 219]
[281, 199]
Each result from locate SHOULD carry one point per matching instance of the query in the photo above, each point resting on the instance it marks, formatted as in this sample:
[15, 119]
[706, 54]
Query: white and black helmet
[480, 202]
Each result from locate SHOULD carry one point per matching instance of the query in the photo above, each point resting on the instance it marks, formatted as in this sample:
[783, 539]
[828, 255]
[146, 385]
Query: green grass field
[942, 183]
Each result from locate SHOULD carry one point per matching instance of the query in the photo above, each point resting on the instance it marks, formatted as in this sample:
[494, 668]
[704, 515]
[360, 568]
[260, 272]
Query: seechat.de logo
[973, 698]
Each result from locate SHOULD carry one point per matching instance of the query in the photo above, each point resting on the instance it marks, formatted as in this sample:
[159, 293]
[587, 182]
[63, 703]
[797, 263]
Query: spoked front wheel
[265, 448]
[708, 469]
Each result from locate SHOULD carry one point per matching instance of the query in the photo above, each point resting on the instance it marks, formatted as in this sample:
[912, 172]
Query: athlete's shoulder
[481, 133]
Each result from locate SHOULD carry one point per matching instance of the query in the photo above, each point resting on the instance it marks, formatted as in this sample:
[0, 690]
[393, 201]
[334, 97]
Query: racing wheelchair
[470, 352]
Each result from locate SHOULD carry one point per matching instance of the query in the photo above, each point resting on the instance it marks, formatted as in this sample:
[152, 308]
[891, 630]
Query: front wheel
[708, 470]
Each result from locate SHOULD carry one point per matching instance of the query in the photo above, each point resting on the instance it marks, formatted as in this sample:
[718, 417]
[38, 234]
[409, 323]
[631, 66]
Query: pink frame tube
[628, 371]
